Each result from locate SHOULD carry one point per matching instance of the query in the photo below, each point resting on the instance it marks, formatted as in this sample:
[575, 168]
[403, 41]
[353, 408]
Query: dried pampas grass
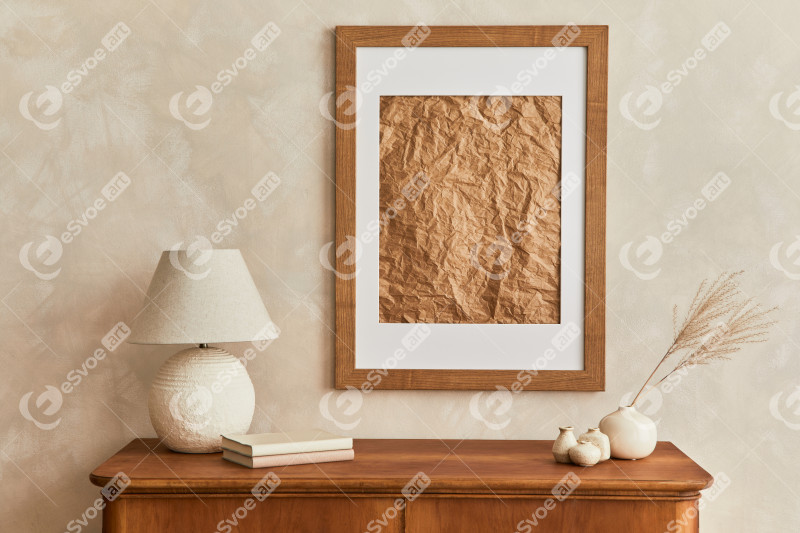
[718, 323]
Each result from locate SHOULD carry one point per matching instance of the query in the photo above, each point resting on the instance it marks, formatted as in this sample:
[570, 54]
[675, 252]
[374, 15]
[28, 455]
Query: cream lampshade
[203, 392]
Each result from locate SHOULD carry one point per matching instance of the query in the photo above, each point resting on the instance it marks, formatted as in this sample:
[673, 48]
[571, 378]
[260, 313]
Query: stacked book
[265, 450]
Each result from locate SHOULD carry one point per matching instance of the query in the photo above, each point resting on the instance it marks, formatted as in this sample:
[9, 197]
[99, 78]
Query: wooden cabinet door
[429, 514]
[238, 514]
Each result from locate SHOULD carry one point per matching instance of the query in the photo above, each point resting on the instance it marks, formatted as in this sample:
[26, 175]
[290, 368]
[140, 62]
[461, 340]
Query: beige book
[267, 461]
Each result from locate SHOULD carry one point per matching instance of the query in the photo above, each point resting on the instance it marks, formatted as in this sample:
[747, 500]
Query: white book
[304, 441]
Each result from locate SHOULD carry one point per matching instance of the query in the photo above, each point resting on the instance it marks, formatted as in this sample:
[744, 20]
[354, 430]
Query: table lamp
[201, 392]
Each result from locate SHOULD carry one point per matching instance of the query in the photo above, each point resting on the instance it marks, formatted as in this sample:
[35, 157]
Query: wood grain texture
[474, 486]
[385, 466]
[592, 377]
[227, 514]
[527, 515]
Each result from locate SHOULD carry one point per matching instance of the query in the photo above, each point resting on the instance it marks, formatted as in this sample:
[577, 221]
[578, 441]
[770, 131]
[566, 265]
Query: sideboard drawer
[230, 514]
[429, 514]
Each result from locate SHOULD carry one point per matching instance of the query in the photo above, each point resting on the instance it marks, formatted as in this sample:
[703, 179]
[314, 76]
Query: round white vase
[197, 395]
[630, 433]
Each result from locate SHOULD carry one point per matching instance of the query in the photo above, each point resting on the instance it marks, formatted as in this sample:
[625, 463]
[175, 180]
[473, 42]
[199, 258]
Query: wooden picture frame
[592, 376]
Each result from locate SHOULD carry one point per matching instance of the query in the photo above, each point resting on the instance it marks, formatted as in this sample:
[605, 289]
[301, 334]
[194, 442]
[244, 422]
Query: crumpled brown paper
[470, 227]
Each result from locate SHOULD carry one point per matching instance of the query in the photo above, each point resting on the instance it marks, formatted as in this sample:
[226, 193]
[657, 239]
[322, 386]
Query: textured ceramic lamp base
[197, 395]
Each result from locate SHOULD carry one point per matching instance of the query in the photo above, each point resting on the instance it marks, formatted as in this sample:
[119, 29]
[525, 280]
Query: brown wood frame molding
[592, 377]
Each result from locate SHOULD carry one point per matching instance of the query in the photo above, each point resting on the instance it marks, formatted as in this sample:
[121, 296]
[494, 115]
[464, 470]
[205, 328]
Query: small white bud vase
[564, 441]
[631, 434]
[599, 439]
[585, 453]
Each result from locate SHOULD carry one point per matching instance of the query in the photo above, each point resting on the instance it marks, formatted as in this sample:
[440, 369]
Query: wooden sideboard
[402, 485]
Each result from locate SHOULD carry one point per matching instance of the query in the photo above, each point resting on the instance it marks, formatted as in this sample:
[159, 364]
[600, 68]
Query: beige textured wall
[663, 148]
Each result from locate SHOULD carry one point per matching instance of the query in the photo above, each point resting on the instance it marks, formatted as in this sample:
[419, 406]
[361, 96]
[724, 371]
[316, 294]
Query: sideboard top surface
[387, 465]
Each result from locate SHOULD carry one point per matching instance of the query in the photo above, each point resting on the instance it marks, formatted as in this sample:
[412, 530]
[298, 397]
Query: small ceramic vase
[631, 434]
[586, 453]
[563, 443]
[599, 439]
